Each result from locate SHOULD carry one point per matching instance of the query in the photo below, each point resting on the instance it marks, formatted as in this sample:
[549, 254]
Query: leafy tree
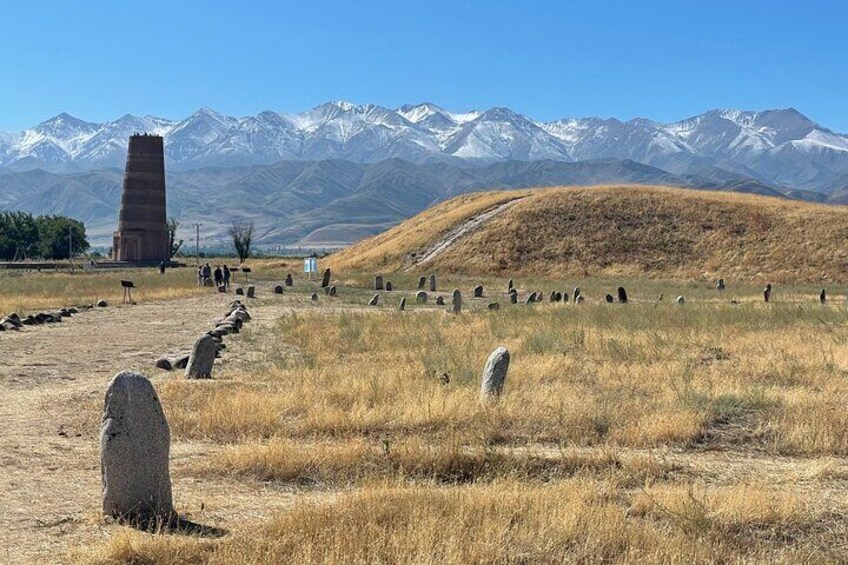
[54, 232]
[173, 244]
[19, 235]
[242, 235]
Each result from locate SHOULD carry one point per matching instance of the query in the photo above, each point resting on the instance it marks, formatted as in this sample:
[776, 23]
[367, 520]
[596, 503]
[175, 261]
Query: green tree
[18, 235]
[54, 232]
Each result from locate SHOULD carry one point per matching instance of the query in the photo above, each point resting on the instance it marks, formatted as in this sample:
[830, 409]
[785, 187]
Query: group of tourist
[220, 276]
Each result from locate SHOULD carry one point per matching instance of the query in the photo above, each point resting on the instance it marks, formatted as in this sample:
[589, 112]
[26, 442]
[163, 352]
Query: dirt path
[49, 457]
[468, 227]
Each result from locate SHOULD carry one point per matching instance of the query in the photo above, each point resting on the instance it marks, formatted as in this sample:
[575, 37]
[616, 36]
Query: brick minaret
[142, 225]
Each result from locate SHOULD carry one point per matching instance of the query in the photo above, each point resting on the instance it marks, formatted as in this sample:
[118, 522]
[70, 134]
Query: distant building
[142, 234]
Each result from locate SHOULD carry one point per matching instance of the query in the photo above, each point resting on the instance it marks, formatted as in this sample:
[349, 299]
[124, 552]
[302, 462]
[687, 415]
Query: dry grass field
[336, 432]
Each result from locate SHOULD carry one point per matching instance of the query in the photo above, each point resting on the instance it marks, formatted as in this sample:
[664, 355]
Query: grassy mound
[614, 231]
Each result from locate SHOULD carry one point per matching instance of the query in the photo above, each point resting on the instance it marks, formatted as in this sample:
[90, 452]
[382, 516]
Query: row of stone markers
[13, 322]
[199, 363]
[135, 443]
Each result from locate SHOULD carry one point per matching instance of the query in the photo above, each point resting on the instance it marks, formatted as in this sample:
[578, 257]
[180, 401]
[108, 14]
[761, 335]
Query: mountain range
[341, 171]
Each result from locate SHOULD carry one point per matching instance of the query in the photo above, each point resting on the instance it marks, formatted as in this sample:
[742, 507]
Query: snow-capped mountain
[780, 147]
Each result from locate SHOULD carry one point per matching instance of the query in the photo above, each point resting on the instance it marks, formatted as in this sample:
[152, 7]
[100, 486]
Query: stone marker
[135, 442]
[510, 285]
[478, 291]
[421, 297]
[493, 306]
[456, 300]
[622, 295]
[494, 374]
[402, 305]
[609, 299]
[181, 362]
[660, 297]
[164, 363]
[325, 280]
[579, 299]
[102, 303]
[513, 297]
[422, 282]
[767, 292]
[720, 284]
[681, 299]
[374, 300]
[530, 299]
[326, 291]
[389, 286]
[378, 283]
[289, 280]
[823, 296]
[251, 291]
[575, 293]
[278, 289]
[202, 358]
[239, 291]
[432, 283]
[333, 290]
[440, 301]
[314, 297]
[553, 296]
[222, 288]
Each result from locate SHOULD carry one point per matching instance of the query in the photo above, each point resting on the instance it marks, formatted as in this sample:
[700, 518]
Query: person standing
[199, 275]
[226, 277]
[219, 276]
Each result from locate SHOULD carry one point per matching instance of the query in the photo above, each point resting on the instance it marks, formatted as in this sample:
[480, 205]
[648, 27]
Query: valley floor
[338, 432]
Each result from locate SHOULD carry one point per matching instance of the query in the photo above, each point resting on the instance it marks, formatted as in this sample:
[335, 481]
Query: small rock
[164, 363]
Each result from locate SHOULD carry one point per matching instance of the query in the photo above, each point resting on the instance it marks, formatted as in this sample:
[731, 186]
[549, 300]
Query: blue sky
[660, 59]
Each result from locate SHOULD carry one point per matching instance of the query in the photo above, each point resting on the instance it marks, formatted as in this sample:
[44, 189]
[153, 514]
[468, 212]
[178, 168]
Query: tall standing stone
[456, 301]
[432, 283]
[622, 295]
[767, 293]
[202, 358]
[325, 280]
[289, 280]
[422, 282]
[251, 291]
[494, 373]
[402, 305]
[823, 296]
[720, 285]
[510, 285]
[513, 297]
[378, 283]
[575, 293]
[389, 287]
[478, 291]
[135, 443]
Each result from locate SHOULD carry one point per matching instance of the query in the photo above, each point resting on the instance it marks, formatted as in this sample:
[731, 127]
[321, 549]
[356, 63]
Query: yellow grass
[579, 520]
[639, 433]
[622, 231]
